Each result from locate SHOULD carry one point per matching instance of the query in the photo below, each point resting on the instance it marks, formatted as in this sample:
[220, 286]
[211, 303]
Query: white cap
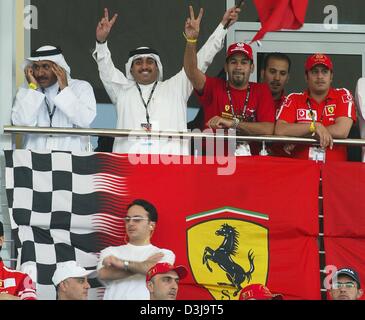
[69, 269]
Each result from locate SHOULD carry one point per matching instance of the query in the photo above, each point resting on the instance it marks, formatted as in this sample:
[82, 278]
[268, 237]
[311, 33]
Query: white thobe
[75, 108]
[167, 108]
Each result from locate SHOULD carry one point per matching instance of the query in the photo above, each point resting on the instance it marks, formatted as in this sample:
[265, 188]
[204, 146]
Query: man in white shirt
[142, 99]
[51, 98]
[123, 269]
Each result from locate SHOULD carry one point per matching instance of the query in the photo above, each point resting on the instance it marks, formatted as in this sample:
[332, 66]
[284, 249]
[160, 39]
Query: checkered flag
[64, 206]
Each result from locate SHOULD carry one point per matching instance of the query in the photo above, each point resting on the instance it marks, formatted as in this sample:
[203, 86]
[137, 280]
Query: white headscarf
[144, 54]
[57, 58]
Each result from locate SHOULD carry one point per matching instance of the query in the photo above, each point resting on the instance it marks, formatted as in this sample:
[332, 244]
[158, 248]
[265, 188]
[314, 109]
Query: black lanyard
[149, 100]
[245, 104]
[50, 112]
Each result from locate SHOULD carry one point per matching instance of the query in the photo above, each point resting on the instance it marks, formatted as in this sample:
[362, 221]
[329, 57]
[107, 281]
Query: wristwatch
[125, 265]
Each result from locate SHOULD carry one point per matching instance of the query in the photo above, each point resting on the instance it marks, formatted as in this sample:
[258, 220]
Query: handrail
[171, 134]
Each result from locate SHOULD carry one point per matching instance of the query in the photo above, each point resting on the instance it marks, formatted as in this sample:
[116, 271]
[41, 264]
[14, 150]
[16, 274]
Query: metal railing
[167, 134]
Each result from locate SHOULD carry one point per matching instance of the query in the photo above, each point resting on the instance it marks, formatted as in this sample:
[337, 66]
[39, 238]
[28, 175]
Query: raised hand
[61, 75]
[230, 16]
[29, 75]
[104, 26]
[192, 25]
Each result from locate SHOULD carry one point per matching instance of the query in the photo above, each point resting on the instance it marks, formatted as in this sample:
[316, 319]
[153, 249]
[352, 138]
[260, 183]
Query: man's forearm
[341, 129]
[113, 273]
[256, 128]
[190, 60]
[292, 129]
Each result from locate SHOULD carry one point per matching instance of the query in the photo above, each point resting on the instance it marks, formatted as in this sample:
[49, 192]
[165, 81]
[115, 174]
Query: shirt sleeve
[78, 103]
[112, 78]
[346, 105]
[26, 289]
[168, 257]
[103, 254]
[266, 107]
[26, 107]
[288, 110]
[209, 50]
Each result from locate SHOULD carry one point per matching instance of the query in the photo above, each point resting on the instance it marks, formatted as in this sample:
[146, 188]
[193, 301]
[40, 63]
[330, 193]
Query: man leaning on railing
[321, 111]
[51, 98]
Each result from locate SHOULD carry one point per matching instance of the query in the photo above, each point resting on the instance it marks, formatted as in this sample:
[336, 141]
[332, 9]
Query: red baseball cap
[316, 59]
[240, 47]
[258, 292]
[164, 267]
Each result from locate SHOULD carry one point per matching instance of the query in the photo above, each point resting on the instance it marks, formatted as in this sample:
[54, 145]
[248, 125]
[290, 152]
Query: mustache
[41, 78]
[275, 82]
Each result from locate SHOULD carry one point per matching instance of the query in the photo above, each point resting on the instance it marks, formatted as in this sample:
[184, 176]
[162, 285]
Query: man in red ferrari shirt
[14, 285]
[275, 72]
[236, 103]
[321, 111]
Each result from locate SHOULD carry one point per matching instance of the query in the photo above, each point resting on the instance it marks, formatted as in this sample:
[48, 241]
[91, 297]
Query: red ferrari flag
[344, 220]
[258, 225]
[280, 14]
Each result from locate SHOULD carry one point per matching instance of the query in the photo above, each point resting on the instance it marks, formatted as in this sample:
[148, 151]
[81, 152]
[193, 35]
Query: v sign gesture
[104, 26]
[192, 25]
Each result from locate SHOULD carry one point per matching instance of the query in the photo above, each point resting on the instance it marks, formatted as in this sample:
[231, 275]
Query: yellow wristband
[32, 86]
[190, 40]
[312, 127]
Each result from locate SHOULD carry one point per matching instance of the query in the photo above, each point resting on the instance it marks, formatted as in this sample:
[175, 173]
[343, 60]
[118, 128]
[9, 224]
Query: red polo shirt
[215, 100]
[338, 103]
[16, 283]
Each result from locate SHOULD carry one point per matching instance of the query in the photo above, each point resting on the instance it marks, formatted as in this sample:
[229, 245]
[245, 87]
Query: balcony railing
[168, 134]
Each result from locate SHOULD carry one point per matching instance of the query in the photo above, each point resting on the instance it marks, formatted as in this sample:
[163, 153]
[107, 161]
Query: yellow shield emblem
[227, 254]
[330, 110]
[227, 107]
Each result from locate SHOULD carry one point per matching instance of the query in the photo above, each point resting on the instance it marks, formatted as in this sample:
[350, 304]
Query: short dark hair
[149, 207]
[278, 56]
[1, 229]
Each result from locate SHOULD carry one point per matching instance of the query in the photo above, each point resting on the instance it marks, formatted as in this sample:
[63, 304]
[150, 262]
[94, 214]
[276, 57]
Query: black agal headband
[143, 51]
[46, 53]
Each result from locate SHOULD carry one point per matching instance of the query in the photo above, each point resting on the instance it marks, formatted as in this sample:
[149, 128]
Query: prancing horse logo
[223, 257]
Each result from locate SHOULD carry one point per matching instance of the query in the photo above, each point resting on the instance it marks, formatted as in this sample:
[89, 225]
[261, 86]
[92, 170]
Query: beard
[238, 82]
[238, 79]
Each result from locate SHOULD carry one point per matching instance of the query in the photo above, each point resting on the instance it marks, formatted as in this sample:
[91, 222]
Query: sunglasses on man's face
[347, 285]
[136, 219]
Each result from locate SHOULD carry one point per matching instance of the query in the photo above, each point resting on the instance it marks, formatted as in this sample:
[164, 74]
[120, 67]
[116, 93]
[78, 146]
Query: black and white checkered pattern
[52, 201]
